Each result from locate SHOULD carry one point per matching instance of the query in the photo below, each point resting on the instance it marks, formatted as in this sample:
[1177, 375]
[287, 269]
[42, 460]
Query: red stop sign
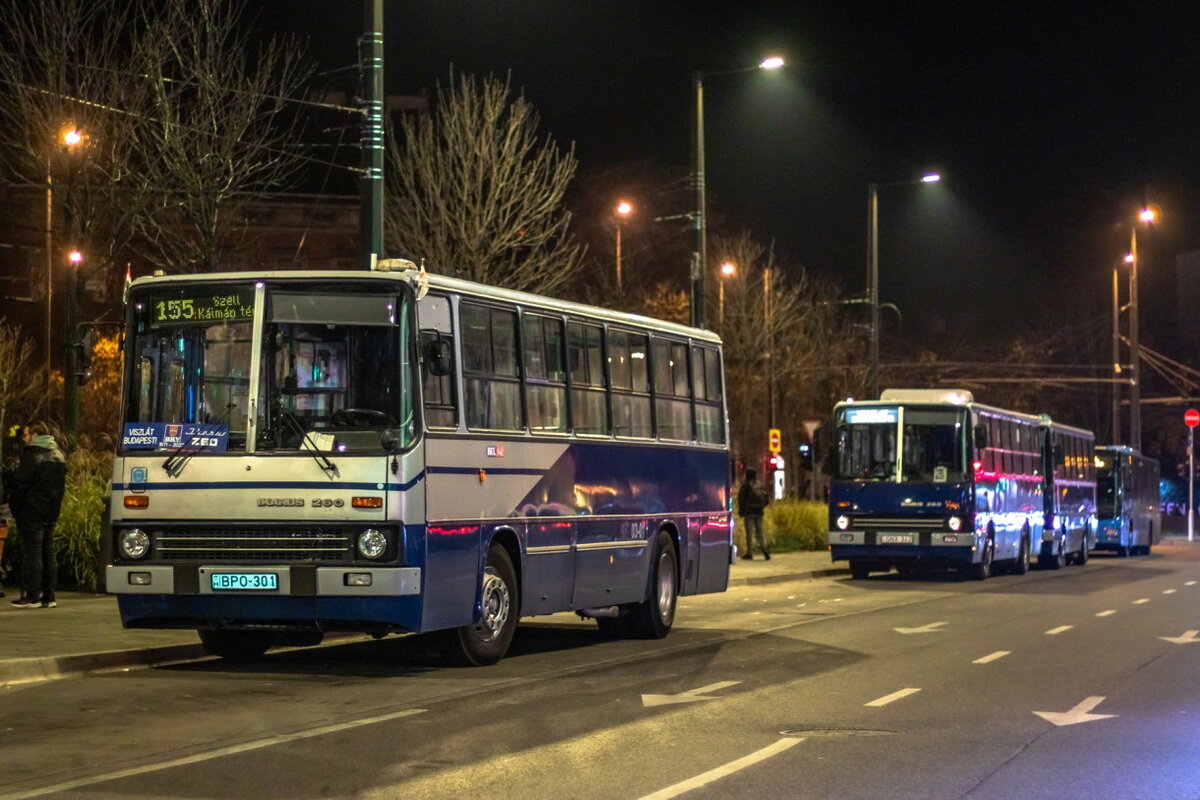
[1191, 418]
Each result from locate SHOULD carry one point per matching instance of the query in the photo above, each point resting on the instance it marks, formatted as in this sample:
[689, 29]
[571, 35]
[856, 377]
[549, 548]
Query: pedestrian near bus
[35, 495]
[752, 501]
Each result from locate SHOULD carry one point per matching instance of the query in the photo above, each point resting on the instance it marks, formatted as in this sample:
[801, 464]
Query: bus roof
[416, 277]
[955, 398]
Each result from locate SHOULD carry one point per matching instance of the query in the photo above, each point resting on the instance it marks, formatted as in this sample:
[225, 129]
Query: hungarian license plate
[245, 581]
[895, 538]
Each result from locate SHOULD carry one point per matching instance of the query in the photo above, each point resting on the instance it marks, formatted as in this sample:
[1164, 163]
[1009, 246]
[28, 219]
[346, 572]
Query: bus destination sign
[202, 307]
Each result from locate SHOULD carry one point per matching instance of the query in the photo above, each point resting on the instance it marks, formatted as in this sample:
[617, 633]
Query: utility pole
[371, 65]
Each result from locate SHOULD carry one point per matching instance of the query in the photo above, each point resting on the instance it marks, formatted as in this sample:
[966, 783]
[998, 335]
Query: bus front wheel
[652, 618]
[486, 641]
[859, 570]
[236, 645]
[983, 570]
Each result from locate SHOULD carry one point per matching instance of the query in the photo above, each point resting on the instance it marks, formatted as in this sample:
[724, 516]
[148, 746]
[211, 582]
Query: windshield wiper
[175, 462]
[322, 460]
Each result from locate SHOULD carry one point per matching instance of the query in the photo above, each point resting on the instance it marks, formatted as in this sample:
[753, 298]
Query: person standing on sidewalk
[35, 495]
[752, 501]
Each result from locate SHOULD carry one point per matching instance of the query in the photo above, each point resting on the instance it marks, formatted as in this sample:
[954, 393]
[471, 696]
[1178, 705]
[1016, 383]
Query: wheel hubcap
[496, 605]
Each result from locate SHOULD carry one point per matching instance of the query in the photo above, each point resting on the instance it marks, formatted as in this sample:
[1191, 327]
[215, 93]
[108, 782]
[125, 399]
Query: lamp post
[68, 137]
[699, 246]
[873, 273]
[71, 364]
[728, 270]
[769, 319]
[1146, 216]
[622, 210]
[1116, 357]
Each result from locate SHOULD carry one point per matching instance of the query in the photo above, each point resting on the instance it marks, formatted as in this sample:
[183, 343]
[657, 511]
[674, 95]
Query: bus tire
[859, 570]
[236, 645]
[1081, 557]
[1123, 550]
[652, 618]
[983, 570]
[1048, 559]
[613, 627]
[486, 641]
[1021, 565]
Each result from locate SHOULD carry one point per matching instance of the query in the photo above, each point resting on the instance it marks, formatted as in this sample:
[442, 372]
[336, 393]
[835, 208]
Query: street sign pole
[1191, 418]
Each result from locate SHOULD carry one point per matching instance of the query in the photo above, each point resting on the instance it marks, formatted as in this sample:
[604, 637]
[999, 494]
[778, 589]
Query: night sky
[1052, 123]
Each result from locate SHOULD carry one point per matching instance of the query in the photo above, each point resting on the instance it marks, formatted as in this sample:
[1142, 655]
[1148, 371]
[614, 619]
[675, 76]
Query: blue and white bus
[391, 451]
[1127, 502]
[929, 477]
[1069, 531]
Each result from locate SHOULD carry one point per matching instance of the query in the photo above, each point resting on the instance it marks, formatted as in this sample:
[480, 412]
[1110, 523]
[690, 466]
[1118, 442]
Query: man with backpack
[752, 500]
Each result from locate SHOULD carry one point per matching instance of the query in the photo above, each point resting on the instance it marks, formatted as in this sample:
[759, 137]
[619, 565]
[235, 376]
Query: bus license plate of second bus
[887, 538]
[245, 581]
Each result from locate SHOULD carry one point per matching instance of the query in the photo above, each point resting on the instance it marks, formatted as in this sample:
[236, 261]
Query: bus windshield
[1106, 492]
[336, 372]
[934, 445]
[190, 351]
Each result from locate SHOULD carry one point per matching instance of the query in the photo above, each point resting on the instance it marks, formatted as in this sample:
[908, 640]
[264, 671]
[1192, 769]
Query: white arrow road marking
[1108, 613]
[933, 627]
[1077, 714]
[1058, 630]
[1189, 637]
[1168, 591]
[726, 769]
[891, 698]
[990, 657]
[690, 696]
[1143, 600]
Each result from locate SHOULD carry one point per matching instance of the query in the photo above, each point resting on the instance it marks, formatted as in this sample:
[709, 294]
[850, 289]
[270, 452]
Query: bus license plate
[894, 538]
[245, 581]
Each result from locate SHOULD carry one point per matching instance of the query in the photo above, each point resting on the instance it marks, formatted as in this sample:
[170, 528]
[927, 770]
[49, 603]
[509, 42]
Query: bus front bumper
[952, 548]
[278, 581]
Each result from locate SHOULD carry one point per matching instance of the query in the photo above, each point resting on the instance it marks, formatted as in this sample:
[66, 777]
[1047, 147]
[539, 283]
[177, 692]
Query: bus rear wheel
[983, 570]
[652, 618]
[236, 645]
[1021, 565]
[1049, 559]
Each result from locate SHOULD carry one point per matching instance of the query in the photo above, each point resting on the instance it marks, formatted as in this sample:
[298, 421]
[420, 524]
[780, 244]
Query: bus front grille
[899, 523]
[255, 544]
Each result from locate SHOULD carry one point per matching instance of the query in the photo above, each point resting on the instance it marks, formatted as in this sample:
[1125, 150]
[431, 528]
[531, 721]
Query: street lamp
[699, 222]
[622, 210]
[728, 270]
[69, 137]
[873, 273]
[1146, 216]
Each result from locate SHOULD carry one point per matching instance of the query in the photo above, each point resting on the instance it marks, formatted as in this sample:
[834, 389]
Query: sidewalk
[84, 633]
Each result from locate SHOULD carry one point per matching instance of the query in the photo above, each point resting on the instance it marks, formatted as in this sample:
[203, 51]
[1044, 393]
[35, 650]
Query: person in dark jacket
[752, 500]
[35, 496]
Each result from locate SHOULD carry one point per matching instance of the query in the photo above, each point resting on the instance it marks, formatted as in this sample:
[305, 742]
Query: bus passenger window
[545, 378]
[493, 398]
[589, 402]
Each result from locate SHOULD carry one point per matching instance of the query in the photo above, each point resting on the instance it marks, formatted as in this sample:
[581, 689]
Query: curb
[788, 576]
[47, 668]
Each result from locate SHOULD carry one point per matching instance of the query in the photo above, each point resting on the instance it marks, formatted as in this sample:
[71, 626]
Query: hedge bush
[790, 525]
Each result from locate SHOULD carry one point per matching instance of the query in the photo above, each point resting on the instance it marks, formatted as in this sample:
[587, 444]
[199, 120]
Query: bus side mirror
[981, 437]
[439, 356]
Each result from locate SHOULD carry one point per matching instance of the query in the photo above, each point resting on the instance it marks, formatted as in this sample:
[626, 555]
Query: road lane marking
[1107, 613]
[1058, 630]
[1077, 714]
[1189, 637]
[931, 627]
[891, 698]
[990, 657]
[220, 752]
[1168, 591]
[1142, 600]
[724, 770]
[1190, 583]
[690, 696]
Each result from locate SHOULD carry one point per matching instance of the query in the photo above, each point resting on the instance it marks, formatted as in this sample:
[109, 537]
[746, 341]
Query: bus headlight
[843, 522]
[134, 543]
[372, 543]
[954, 523]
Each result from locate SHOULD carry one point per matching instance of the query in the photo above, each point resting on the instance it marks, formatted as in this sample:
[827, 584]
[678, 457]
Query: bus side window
[489, 341]
[589, 401]
[545, 378]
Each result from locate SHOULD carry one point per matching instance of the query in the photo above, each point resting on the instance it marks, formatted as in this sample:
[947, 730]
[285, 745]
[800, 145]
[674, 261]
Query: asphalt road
[1051, 685]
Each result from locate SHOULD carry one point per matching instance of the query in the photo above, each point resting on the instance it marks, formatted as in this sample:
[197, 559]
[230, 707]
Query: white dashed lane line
[1141, 601]
[990, 657]
[1107, 613]
[891, 698]
[1058, 630]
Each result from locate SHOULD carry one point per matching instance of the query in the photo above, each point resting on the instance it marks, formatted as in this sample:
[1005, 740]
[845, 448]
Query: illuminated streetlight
[873, 273]
[622, 210]
[1146, 216]
[699, 221]
[728, 270]
[68, 137]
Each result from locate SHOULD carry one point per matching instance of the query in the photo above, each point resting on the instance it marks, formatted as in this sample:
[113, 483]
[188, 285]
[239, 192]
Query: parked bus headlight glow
[372, 543]
[843, 522]
[954, 523]
[134, 543]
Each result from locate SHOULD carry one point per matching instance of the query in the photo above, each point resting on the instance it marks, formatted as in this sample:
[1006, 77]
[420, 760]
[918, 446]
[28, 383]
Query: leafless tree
[218, 134]
[475, 193]
[17, 392]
